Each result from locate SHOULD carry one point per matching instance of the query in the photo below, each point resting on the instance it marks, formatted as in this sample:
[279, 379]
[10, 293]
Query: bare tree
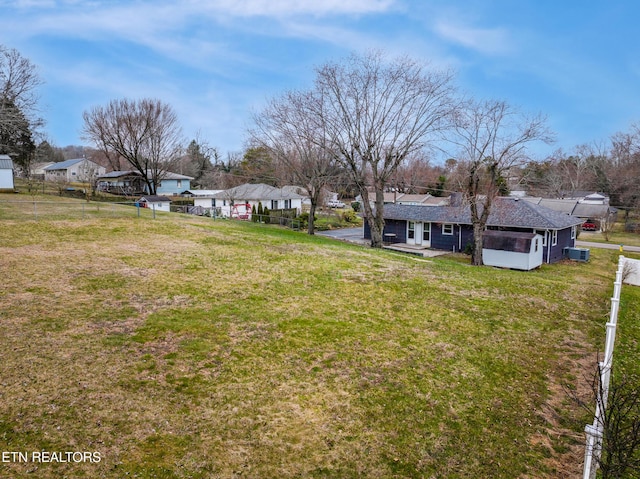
[624, 170]
[19, 120]
[145, 133]
[287, 128]
[374, 114]
[491, 138]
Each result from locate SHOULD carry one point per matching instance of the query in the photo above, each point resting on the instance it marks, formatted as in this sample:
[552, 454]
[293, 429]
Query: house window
[287, 204]
[426, 232]
[274, 204]
[573, 232]
[179, 183]
[213, 202]
[536, 246]
[411, 232]
[554, 237]
[447, 229]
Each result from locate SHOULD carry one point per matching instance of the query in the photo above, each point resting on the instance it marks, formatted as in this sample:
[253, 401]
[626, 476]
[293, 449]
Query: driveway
[351, 235]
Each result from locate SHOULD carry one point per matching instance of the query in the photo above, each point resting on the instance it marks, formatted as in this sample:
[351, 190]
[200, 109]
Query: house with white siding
[253, 195]
[79, 169]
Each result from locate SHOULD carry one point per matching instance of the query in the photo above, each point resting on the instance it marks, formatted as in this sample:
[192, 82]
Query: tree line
[367, 124]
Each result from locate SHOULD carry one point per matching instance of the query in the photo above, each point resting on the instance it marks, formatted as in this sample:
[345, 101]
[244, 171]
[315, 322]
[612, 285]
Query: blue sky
[216, 61]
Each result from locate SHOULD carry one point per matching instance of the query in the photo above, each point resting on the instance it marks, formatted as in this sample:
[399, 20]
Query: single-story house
[155, 202]
[394, 197]
[6, 173]
[37, 169]
[79, 169]
[252, 195]
[131, 182]
[202, 198]
[122, 183]
[593, 208]
[450, 227]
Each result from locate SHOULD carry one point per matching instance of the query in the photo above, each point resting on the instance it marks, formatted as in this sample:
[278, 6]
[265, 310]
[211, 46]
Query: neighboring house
[392, 197]
[155, 202]
[173, 184]
[593, 208]
[254, 194]
[450, 228]
[129, 183]
[132, 183]
[202, 198]
[6, 173]
[80, 169]
[37, 170]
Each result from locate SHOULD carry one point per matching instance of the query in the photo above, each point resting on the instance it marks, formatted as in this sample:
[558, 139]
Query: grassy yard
[181, 347]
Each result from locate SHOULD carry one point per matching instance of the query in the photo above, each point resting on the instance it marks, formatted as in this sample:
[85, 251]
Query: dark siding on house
[564, 240]
[397, 227]
[445, 242]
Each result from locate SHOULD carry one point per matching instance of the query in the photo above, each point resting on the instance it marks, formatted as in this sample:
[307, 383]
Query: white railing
[594, 432]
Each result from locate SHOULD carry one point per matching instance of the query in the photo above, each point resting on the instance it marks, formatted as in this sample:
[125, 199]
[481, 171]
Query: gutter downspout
[548, 246]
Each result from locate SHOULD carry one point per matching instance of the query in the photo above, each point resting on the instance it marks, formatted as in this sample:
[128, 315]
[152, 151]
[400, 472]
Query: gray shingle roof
[154, 199]
[505, 212]
[258, 191]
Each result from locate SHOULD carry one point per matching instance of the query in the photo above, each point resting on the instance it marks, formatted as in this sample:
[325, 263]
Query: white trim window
[447, 229]
[554, 237]
[573, 232]
[411, 230]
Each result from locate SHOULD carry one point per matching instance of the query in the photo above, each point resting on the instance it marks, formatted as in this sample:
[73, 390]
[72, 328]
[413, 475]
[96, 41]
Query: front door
[419, 233]
[426, 234]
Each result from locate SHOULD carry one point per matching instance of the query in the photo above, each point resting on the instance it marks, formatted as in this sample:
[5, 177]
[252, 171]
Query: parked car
[335, 204]
[589, 226]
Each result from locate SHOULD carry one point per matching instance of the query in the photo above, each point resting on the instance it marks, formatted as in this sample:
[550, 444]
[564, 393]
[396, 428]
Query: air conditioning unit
[577, 254]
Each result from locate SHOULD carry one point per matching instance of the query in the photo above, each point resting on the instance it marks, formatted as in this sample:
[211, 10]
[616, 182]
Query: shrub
[355, 205]
[350, 216]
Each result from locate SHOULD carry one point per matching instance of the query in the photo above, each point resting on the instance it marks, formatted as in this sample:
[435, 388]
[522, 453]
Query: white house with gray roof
[6, 173]
[79, 169]
[253, 194]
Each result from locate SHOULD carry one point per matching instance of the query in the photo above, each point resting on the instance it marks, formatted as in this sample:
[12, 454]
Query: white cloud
[280, 8]
[493, 41]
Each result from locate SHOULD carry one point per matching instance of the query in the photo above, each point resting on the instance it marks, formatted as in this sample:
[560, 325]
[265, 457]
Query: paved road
[590, 244]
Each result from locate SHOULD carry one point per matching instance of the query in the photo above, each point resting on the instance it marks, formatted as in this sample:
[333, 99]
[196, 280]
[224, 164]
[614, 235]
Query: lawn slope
[183, 347]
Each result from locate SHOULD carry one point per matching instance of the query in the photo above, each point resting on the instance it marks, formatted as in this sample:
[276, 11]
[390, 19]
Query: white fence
[594, 432]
